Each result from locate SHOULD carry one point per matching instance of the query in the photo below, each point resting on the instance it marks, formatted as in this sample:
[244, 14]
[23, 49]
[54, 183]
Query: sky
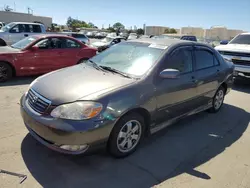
[177, 13]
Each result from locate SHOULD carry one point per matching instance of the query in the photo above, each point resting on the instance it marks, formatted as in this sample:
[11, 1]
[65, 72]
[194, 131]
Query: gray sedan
[125, 93]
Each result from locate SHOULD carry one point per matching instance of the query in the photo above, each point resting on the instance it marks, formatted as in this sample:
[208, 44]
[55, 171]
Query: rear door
[178, 96]
[70, 52]
[207, 73]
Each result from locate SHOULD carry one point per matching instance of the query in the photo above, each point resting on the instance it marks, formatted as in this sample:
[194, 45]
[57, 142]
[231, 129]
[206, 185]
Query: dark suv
[122, 94]
[189, 37]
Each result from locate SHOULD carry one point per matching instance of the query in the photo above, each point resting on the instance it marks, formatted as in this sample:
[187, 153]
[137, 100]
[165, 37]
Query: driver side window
[181, 59]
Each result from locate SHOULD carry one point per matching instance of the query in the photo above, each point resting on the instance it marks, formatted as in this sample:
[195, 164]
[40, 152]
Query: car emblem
[237, 58]
[34, 99]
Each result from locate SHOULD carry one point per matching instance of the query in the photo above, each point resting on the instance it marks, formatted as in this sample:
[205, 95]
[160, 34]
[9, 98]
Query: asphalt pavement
[205, 150]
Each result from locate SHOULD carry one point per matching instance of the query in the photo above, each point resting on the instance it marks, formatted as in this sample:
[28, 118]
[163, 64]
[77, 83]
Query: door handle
[26, 35]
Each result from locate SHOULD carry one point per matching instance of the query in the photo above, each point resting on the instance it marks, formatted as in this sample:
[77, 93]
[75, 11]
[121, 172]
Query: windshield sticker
[158, 46]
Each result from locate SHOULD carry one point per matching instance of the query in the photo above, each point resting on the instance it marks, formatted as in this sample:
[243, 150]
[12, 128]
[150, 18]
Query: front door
[177, 96]
[208, 73]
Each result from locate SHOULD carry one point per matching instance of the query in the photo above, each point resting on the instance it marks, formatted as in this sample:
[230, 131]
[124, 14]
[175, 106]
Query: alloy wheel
[218, 99]
[3, 73]
[129, 136]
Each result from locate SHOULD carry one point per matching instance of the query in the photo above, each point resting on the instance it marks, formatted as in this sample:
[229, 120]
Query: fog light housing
[74, 147]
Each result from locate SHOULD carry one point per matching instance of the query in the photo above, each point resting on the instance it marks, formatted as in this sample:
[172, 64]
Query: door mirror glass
[170, 73]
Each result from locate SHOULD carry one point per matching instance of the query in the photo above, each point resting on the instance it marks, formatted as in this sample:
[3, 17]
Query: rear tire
[126, 135]
[5, 72]
[218, 100]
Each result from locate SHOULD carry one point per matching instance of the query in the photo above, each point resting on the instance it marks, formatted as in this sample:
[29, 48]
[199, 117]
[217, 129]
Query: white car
[238, 51]
[15, 31]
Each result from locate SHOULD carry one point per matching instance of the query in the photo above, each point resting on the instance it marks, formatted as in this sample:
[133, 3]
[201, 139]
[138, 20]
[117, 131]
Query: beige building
[197, 31]
[221, 33]
[8, 17]
[155, 30]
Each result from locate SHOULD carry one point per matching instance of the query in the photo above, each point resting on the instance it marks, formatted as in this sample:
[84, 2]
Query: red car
[41, 54]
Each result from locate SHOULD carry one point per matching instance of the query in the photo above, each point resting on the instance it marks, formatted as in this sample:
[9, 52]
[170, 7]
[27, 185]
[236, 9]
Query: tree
[140, 31]
[111, 29]
[170, 30]
[91, 25]
[118, 25]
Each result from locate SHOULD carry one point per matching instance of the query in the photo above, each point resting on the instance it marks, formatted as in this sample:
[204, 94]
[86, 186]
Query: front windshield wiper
[95, 65]
[115, 71]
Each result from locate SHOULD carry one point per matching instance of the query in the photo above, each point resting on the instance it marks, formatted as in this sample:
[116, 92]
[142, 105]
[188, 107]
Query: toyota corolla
[119, 96]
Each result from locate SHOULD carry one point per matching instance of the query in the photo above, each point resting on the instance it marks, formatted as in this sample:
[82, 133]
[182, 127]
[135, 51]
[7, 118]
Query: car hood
[234, 48]
[8, 50]
[80, 82]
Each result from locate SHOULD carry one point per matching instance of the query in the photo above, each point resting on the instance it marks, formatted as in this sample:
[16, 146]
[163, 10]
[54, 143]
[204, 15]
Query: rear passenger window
[204, 59]
[36, 28]
[181, 59]
[71, 44]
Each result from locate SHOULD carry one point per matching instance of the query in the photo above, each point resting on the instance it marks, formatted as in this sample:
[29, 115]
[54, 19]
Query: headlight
[77, 110]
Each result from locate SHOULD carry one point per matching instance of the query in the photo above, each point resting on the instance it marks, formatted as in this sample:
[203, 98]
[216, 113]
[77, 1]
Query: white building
[8, 17]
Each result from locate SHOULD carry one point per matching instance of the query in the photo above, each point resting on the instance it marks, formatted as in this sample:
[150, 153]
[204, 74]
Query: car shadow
[242, 84]
[178, 149]
[18, 81]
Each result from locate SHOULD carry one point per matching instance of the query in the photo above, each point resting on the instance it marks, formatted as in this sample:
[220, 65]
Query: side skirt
[156, 128]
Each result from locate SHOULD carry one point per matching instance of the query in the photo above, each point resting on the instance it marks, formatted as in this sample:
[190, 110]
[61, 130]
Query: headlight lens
[77, 110]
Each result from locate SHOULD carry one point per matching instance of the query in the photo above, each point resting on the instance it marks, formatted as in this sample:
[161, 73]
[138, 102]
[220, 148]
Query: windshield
[130, 58]
[107, 39]
[7, 27]
[24, 43]
[241, 39]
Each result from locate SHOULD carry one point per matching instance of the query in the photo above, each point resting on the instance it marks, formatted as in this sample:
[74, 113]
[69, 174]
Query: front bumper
[54, 133]
[242, 68]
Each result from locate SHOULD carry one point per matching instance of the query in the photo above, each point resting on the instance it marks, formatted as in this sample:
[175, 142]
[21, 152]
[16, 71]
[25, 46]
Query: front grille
[241, 54]
[37, 102]
[241, 62]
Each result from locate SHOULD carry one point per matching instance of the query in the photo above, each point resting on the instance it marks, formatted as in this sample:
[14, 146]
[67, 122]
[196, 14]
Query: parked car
[132, 36]
[79, 36]
[15, 31]
[107, 42]
[90, 34]
[2, 24]
[121, 95]
[238, 51]
[100, 35]
[40, 54]
[189, 37]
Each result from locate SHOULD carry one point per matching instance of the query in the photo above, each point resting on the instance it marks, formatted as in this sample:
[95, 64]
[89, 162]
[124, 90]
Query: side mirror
[223, 42]
[34, 48]
[170, 73]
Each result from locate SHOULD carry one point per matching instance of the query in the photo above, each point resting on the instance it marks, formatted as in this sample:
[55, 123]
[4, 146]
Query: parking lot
[205, 150]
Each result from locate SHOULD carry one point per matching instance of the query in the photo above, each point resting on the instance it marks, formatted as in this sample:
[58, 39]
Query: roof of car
[52, 35]
[166, 42]
[27, 23]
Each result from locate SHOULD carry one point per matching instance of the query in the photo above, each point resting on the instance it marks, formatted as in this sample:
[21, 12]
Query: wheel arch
[3, 41]
[12, 67]
[142, 112]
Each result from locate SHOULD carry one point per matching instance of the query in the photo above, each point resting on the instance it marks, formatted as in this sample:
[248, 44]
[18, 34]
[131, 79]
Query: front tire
[5, 72]
[126, 135]
[218, 100]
